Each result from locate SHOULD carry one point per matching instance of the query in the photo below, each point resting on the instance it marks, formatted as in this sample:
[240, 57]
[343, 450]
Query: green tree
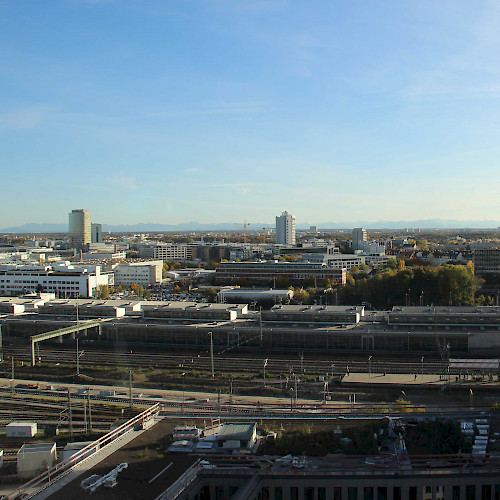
[103, 292]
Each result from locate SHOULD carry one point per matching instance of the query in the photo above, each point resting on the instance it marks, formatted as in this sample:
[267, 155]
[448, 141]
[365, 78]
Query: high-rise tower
[80, 227]
[358, 236]
[285, 229]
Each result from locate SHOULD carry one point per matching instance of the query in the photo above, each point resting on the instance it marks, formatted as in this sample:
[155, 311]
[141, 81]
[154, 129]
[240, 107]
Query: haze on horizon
[167, 112]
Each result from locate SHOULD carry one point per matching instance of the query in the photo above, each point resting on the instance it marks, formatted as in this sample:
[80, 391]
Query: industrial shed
[445, 316]
[195, 311]
[21, 429]
[314, 314]
[86, 308]
[35, 458]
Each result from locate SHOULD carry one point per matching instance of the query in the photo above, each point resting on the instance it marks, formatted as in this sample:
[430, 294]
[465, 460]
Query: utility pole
[77, 359]
[131, 400]
[70, 412]
[265, 364]
[295, 389]
[85, 414]
[212, 353]
[90, 409]
[260, 325]
[12, 375]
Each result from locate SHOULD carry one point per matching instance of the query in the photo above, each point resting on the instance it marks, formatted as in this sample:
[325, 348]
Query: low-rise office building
[487, 260]
[62, 279]
[141, 273]
[272, 270]
[165, 251]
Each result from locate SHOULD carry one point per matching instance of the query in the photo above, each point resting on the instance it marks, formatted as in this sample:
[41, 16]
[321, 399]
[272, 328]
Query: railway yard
[80, 379]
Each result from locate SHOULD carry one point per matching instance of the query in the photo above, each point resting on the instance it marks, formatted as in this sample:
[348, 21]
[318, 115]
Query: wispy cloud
[125, 182]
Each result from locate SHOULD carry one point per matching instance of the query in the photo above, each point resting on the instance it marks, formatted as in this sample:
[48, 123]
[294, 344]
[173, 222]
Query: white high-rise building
[285, 229]
[358, 236]
[80, 227]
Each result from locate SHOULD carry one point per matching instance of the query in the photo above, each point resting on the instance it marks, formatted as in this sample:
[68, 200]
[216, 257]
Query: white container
[21, 429]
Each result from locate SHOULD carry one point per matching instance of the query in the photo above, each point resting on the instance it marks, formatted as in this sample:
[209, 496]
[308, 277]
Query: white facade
[285, 229]
[140, 273]
[344, 261]
[358, 236]
[104, 256]
[62, 279]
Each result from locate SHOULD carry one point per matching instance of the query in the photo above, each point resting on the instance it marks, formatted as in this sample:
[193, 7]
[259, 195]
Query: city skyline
[222, 111]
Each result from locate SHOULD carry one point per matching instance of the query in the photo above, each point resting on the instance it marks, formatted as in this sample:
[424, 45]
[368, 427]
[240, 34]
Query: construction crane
[244, 224]
[264, 233]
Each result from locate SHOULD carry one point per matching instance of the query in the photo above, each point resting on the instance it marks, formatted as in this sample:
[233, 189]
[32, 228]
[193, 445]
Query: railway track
[233, 363]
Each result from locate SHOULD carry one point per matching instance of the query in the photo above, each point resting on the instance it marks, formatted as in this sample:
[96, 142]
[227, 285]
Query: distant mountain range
[32, 227]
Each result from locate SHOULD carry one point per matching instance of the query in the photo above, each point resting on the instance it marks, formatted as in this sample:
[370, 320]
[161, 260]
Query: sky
[230, 110]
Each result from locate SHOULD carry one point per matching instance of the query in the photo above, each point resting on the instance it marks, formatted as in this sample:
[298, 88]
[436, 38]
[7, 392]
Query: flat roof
[237, 431]
[316, 309]
[446, 309]
[36, 447]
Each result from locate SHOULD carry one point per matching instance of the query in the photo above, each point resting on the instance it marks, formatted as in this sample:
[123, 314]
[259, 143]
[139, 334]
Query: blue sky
[225, 110]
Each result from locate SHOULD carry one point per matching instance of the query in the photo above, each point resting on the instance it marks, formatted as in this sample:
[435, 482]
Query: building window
[352, 493]
[368, 493]
[486, 492]
[382, 493]
[455, 495]
[322, 493]
[412, 493]
[470, 492]
[497, 492]
[396, 493]
[294, 493]
[278, 493]
[309, 493]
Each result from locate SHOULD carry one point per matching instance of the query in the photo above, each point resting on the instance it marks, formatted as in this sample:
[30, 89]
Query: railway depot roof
[446, 310]
[475, 364]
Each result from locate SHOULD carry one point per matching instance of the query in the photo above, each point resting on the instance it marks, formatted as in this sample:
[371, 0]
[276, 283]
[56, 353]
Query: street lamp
[183, 389]
[333, 369]
[422, 360]
[212, 353]
[370, 366]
